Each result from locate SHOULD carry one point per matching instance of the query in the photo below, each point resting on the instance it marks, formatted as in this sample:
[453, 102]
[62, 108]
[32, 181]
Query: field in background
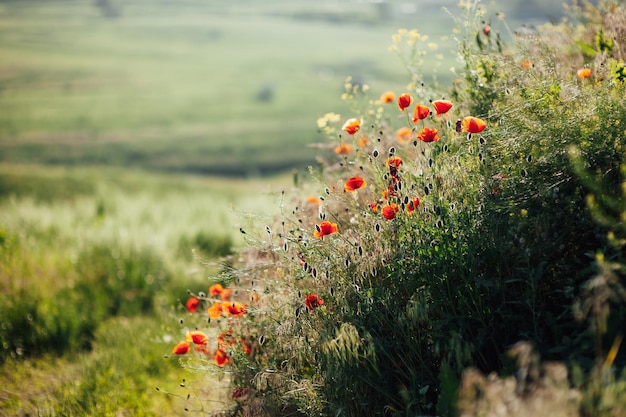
[208, 87]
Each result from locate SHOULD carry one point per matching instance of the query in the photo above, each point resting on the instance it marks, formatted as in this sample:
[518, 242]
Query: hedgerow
[451, 234]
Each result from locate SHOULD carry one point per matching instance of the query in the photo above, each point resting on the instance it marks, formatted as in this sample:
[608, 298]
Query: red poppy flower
[343, 149]
[198, 338]
[181, 348]
[584, 73]
[215, 290]
[239, 392]
[374, 207]
[472, 124]
[404, 101]
[394, 161]
[221, 357]
[325, 228]
[387, 97]
[421, 112]
[235, 309]
[354, 183]
[215, 311]
[428, 134]
[389, 211]
[487, 30]
[192, 304]
[352, 126]
[312, 301]
[441, 106]
[412, 206]
[404, 134]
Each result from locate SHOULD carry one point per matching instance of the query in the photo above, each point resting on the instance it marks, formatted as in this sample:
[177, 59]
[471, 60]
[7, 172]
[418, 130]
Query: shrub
[419, 258]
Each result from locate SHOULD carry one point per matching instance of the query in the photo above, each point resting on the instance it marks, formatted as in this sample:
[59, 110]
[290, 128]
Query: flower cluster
[220, 306]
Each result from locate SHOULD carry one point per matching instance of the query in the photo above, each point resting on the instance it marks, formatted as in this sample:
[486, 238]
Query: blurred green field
[95, 264]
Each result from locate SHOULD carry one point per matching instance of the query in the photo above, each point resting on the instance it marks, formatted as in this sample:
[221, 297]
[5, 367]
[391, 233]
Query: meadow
[136, 140]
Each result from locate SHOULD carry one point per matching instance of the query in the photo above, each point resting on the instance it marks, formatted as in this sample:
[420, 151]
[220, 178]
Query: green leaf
[587, 49]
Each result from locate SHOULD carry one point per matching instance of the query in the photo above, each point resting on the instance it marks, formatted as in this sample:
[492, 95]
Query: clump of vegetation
[449, 231]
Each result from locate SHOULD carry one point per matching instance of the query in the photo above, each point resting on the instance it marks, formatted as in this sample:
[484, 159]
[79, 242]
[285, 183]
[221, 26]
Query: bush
[418, 258]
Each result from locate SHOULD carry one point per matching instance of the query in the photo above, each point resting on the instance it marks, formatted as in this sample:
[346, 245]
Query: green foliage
[206, 245]
[500, 250]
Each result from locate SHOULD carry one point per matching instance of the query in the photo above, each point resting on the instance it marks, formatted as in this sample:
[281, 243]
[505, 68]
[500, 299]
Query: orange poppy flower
[428, 134]
[394, 161]
[404, 101]
[313, 301]
[343, 149]
[215, 290]
[226, 294]
[313, 200]
[389, 211]
[245, 345]
[192, 304]
[352, 125]
[472, 124]
[584, 73]
[442, 106]
[404, 134]
[387, 97]
[215, 311]
[421, 112]
[198, 338]
[354, 183]
[325, 228]
[412, 206]
[221, 357]
[362, 141]
[181, 348]
[235, 309]
[374, 207]
[526, 64]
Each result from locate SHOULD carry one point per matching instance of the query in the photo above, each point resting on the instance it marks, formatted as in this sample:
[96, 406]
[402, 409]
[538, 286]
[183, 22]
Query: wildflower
[404, 134]
[389, 211]
[198, 338]
[343, 149]
[235, 309]
[413, 205]
[404, 101]
[215, 290]
[313, 200]
[374, 207]
[312, 301]
[192, 304]
[526, 64]
[362, 141]
[387, 97]
[584, 73]
[472, 124]
[226, 294]
[354, 183]
[181, 348]
[428, 134]
[325, 228]
[221, 357]
[352, 125]
[394, 161]
[215, 311]
[486, 30]
[420, 112]
[441, 106]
